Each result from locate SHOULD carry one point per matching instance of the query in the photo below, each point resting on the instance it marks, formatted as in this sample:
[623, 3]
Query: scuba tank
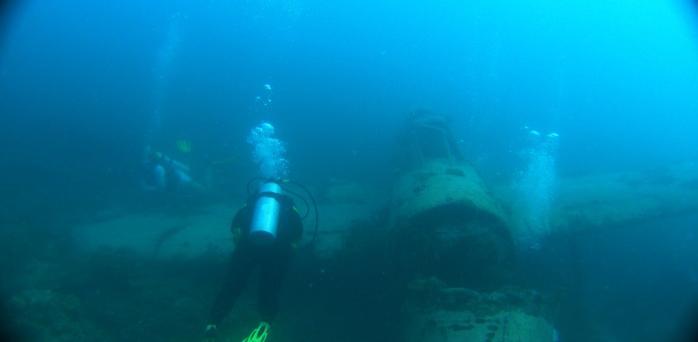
[265, 218]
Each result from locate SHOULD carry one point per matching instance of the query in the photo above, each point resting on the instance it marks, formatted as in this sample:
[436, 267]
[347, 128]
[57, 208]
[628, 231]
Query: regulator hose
[315, 208]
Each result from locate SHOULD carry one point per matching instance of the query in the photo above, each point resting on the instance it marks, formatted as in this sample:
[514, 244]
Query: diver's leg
[241, 266]
[271, 276]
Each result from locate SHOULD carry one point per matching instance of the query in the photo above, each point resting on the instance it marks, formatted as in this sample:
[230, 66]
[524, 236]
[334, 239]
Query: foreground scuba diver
[265, 231]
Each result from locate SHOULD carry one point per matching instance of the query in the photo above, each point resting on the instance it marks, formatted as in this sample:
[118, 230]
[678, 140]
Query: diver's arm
[179, 166]
[295, 225]
[238, 224]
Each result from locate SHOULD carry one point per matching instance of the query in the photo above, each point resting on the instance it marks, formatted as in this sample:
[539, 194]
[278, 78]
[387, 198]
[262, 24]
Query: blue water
[86, 85]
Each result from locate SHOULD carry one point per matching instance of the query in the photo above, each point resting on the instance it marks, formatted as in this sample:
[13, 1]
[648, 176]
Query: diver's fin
[259, 334]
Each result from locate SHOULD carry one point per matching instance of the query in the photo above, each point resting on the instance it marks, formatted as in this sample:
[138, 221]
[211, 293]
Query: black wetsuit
[272, 262]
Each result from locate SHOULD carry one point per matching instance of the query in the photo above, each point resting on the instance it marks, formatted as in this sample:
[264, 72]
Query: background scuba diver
[164, 174]
[271, 258]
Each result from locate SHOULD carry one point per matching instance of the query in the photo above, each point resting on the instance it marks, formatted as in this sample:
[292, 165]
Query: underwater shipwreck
[432, 257]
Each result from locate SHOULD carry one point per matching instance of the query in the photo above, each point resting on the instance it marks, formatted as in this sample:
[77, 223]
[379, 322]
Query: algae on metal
[436, 312]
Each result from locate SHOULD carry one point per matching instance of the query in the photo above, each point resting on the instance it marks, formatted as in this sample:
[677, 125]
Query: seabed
[152, 276]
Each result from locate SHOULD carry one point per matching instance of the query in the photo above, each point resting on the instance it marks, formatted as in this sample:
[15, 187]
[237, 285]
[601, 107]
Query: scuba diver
[164, 174]
[266, 231]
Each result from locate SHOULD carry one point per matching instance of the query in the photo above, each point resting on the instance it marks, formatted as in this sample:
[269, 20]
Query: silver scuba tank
[265, 218]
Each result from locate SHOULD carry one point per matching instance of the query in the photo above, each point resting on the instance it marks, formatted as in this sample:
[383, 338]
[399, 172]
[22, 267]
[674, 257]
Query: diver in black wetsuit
[271, 259]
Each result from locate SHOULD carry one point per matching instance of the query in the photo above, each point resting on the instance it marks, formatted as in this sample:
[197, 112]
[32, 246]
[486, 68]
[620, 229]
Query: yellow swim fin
[259, 334]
